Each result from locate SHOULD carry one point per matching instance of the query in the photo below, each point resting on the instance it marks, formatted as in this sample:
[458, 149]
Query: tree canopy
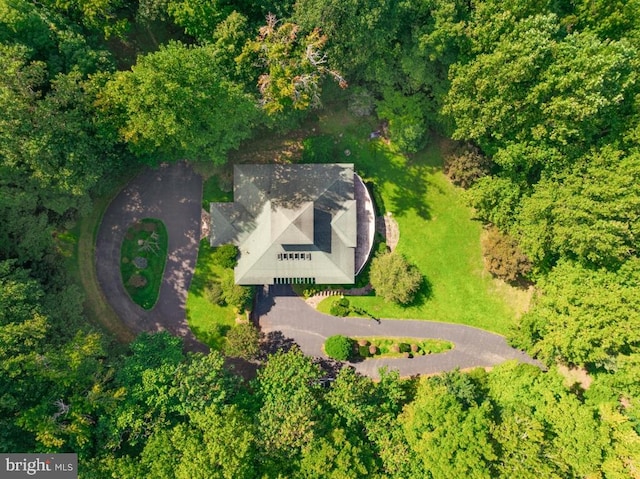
[175, 104]
[545, 96]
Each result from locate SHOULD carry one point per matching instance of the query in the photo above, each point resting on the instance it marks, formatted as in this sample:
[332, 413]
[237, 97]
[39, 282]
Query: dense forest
[544, 94]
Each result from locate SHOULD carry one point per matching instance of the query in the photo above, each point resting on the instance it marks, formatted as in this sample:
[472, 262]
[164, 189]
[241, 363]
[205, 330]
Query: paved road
[279, 309]
[172, 194]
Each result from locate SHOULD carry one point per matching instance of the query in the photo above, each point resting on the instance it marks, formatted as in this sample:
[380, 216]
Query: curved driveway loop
[280, 310]
[171, 193]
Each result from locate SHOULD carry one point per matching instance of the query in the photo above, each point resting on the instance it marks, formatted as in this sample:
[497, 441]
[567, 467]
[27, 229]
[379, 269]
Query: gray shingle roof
[290, 222]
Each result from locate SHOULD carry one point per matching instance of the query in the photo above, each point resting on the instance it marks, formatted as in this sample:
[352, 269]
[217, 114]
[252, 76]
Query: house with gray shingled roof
[309, 223]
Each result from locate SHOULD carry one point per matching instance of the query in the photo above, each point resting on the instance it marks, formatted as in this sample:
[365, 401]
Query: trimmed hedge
[338, 347]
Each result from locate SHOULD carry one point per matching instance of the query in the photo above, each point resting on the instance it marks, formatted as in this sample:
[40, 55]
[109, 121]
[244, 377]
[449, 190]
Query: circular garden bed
[143, 256]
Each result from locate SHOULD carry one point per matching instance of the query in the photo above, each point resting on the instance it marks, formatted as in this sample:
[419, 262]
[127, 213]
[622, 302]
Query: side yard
[437, 231]
[209, 315]
[209, 322]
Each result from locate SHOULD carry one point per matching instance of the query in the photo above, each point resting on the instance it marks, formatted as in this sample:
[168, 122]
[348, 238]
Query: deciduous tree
[584, 316]
[288, 390]
[589, 213]
[394, 278]
[294, 66]
[176, 103]
[243, 341]
[561, 92]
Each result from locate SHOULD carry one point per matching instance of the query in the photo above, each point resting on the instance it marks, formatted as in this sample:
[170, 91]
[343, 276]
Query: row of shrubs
[343, 348]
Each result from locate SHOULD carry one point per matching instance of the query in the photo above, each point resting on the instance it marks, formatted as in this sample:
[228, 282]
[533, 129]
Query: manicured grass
[399, 347]
[437, 232]
[209, 322]
[146, 241]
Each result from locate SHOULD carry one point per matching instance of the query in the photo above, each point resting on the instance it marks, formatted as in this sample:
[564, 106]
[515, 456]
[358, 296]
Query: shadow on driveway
[172, 194]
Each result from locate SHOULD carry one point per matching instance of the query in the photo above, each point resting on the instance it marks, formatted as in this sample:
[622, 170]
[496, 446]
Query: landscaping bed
[345, 348]
[376, 347]
[143, 256]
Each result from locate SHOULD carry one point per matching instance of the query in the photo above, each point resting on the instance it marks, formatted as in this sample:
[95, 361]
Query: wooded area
[543, 95]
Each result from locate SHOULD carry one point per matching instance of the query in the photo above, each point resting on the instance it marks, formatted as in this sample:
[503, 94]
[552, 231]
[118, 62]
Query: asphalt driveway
[172, 194]
[278, 309]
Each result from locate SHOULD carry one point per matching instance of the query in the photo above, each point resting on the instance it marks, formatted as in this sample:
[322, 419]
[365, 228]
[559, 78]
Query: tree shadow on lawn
[408, 177]
[204, 273]
[424, 293]
[214, 338]
[409, 194]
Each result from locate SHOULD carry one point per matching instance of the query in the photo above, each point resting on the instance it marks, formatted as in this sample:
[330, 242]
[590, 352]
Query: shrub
[503, 257]
[307, 293]
[149, 227]
[340, 307]
[214, 294]
[407, 119]
[243, 341]
[395, 348]
[236, 295]
[373, 350]
[137, 281]
[338, 347]
[226, 256]
[405, 348]
[363, 342]
[363, 351]
[394, 279]
[140, 262]
[466, 165]
[414, 348]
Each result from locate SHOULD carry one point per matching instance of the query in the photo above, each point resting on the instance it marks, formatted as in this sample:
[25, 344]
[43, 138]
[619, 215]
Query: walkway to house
[172, 194]
[387, 226]
[279, 309]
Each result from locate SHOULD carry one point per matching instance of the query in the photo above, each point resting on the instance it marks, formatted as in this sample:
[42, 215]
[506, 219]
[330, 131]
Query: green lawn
[437, 232]
[209, 322]
[147, 241]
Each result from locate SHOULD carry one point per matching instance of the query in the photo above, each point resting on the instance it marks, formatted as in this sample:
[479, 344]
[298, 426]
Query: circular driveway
[278, 309]
[172, 194]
